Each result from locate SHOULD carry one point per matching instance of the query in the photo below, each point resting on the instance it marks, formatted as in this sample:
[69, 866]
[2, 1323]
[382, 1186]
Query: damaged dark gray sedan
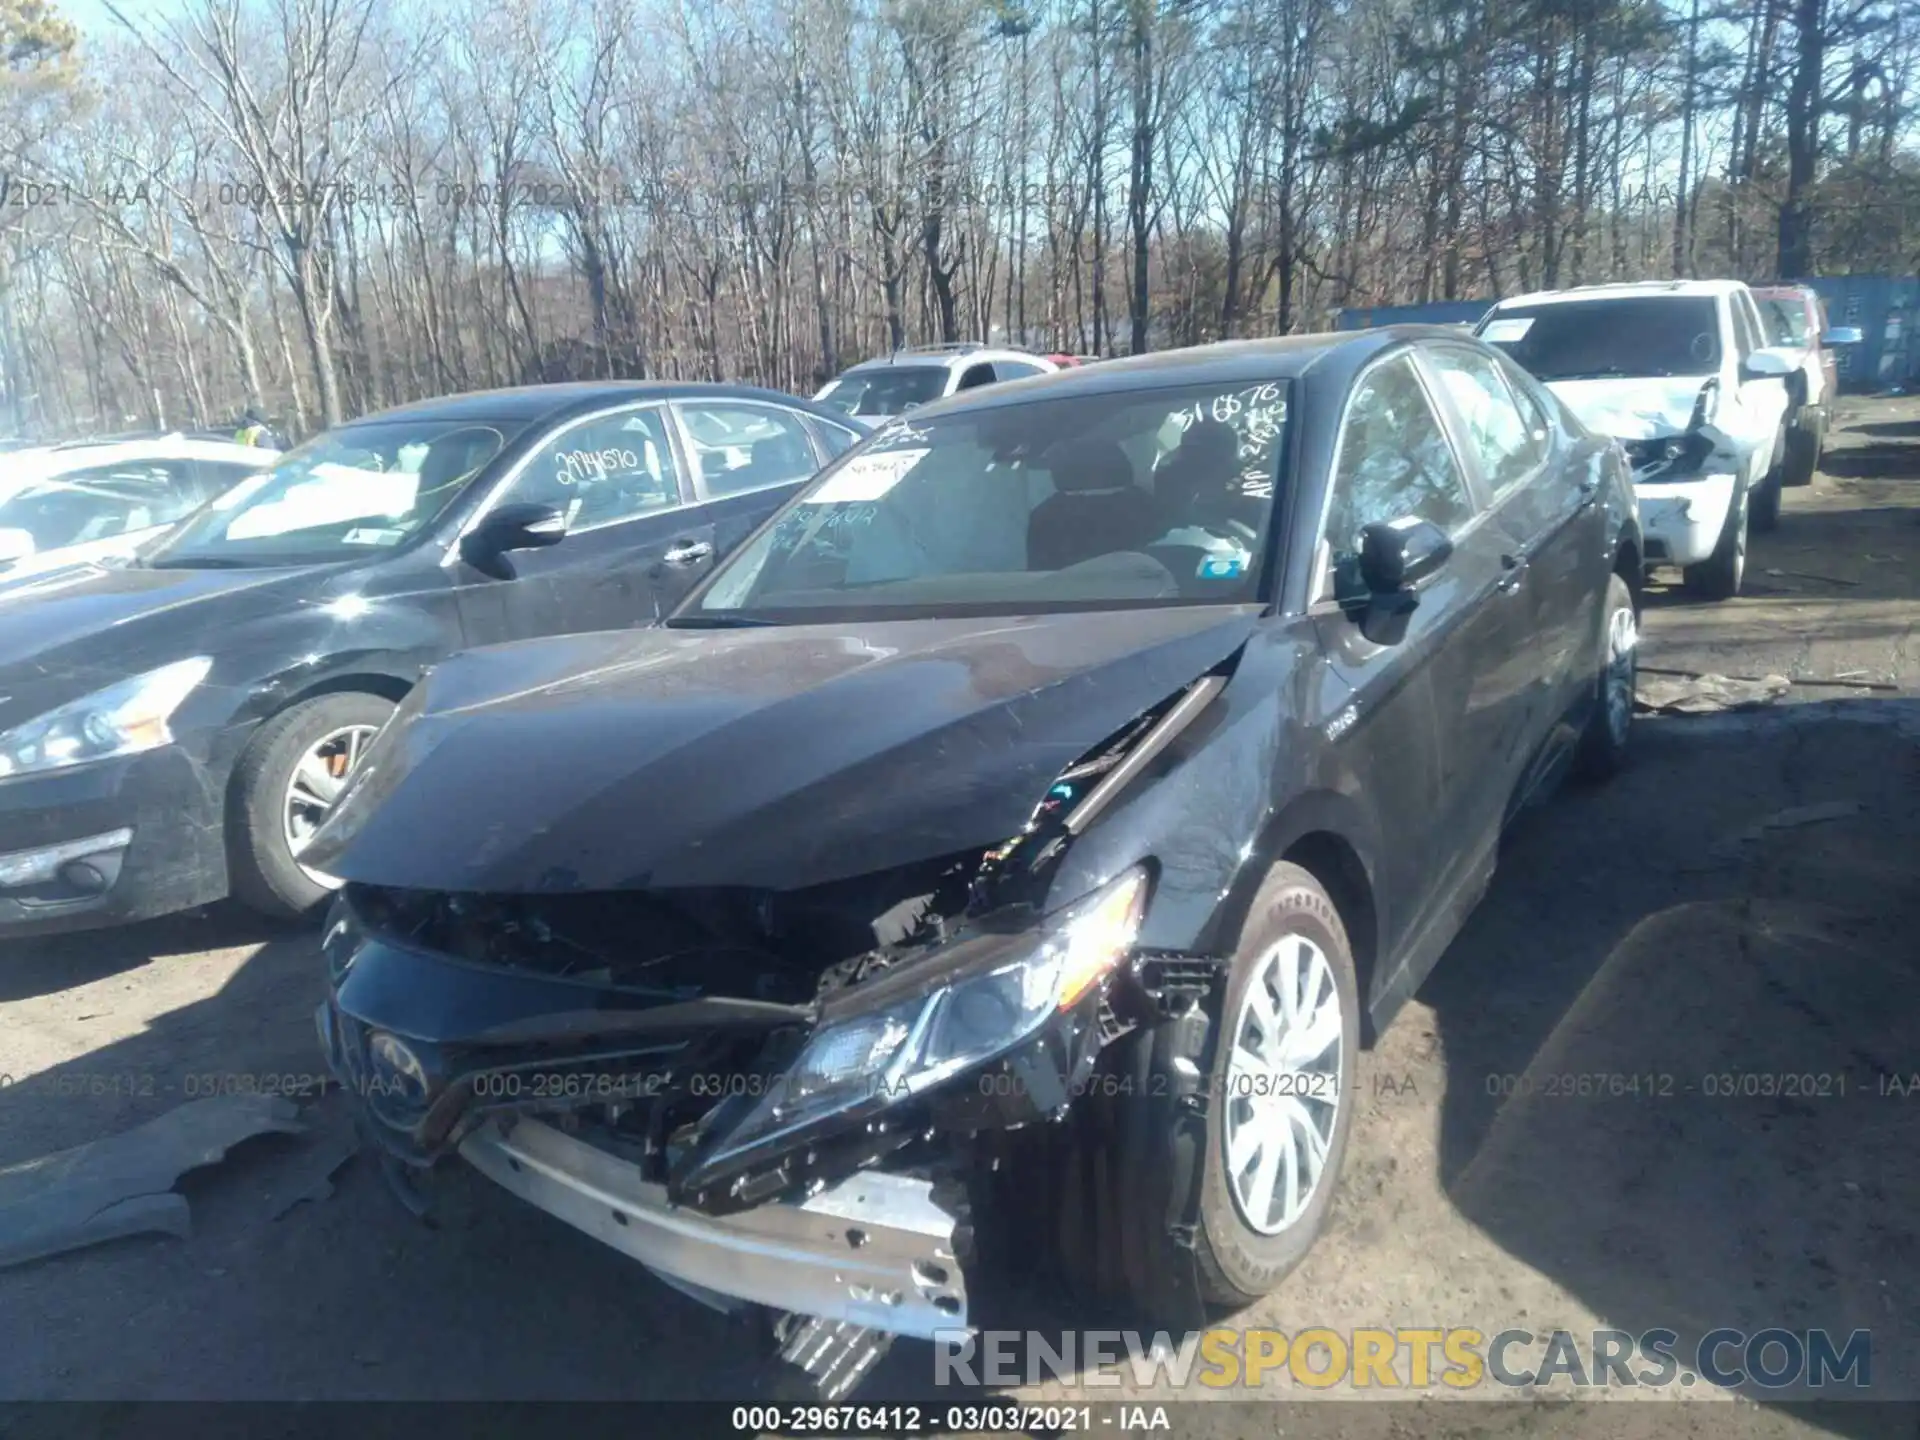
[1009, 848]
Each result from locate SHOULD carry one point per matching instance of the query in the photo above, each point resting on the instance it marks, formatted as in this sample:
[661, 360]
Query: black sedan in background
[176, 729]
[1120, 746]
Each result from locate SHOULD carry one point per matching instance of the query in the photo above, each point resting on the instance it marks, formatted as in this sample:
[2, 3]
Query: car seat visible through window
[1095, 509]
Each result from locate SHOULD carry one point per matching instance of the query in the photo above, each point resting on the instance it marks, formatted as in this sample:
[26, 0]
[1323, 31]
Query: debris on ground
[1845, 680]
[123, 1185]
[1805, 575]
[312, 1179]
[1688, 694]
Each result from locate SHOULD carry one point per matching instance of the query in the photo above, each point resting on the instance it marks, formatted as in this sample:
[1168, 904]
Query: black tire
[1803, 455]
[265, 876]
[1237, 1264]
[1718, 577]
[1764, 513]
[1603, 744]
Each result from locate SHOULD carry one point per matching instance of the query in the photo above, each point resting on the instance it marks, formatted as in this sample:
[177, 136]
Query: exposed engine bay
[671, 1016]
[756, 1058]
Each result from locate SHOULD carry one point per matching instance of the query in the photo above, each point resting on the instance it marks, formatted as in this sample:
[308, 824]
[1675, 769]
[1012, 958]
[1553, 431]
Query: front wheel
[1603, 744]
[1718, 577]
[1283, 1091]
[285, 787]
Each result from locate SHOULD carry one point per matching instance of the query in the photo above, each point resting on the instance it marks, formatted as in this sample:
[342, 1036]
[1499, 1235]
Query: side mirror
[1398, 556]
[1771, 363]
[15, 546]
[1842, 335]
[521, 526]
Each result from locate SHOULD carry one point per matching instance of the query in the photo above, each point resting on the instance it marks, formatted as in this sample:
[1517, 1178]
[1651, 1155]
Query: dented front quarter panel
[1229, 797]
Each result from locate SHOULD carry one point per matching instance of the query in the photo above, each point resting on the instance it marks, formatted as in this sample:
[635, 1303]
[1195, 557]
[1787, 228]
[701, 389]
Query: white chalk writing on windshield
[1256, 415]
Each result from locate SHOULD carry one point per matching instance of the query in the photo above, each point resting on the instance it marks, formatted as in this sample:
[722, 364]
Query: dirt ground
[1744, 901]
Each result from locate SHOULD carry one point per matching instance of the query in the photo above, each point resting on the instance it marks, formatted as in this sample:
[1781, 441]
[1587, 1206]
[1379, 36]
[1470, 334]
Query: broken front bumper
[1682, 519]
[875, 1250]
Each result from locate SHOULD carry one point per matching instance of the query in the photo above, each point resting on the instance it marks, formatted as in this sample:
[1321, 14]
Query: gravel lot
[1659, 926]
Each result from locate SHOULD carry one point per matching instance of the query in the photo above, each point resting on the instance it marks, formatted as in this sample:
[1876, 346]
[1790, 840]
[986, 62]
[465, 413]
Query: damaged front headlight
[910, 1046]
[1669, 454]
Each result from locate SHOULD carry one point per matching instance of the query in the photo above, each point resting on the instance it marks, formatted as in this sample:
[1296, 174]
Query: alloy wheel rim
[1623, 658]
[314, 788]
[1283, 1085]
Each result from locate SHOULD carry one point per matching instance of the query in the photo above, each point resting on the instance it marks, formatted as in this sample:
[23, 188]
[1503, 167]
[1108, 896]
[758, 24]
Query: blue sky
[90, 16]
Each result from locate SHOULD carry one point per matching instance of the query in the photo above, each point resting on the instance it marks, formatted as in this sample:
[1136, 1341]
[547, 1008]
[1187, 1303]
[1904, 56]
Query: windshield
[53, 514]
[1138, 498]
[892, 391]
[353, 491]
[1786, 321]
[1642, 336]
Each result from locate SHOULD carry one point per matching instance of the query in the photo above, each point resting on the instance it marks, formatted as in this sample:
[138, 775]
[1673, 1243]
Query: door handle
[688, 552]
[1516, 576]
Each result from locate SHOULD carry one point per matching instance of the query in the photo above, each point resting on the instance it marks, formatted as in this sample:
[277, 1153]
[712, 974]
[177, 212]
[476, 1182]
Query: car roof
[85, 455]
[934, 357]
[1626, 290]
[1226, 362]
[526, 404]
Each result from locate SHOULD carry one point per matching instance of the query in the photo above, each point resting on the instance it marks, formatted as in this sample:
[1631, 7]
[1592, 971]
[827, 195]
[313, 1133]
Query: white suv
[896, 383]
[1681, 374]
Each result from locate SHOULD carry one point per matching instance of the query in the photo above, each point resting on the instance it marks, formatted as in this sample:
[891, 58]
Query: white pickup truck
[1682, 375]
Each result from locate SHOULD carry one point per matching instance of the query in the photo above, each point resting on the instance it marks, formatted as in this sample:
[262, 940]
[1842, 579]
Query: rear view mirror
[1842, 335]
[523, 526]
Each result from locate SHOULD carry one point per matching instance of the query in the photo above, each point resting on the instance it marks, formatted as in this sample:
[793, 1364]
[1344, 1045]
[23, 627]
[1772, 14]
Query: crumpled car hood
[1638, 409]
[779, 757]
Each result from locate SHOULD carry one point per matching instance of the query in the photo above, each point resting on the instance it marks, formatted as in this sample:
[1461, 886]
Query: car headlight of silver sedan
[125, 718]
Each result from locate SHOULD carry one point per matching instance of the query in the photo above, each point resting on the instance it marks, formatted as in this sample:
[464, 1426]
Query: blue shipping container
[1887, 312]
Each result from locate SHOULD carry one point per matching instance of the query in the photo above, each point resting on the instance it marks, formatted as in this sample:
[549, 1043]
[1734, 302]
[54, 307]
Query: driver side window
[1394, 460]
[605, 470]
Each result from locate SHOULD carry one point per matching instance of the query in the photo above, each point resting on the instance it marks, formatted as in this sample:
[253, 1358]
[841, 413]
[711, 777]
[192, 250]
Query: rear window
[891, 391]
[1636, 337]
[1786, 321]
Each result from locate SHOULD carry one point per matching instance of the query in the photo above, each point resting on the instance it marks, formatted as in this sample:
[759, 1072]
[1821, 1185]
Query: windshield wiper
[199, 562]
[717, 622]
